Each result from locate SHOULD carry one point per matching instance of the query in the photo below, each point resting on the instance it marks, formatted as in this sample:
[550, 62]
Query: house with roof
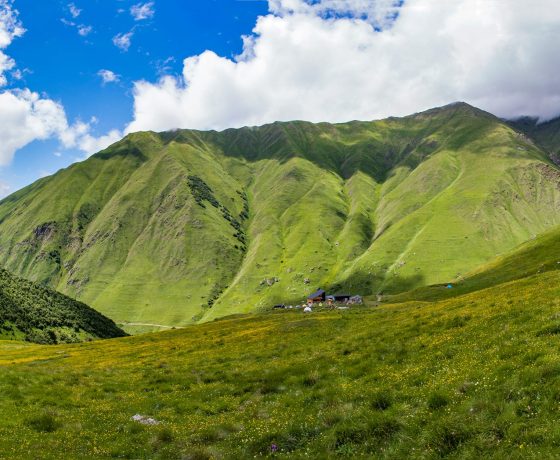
[317, 296]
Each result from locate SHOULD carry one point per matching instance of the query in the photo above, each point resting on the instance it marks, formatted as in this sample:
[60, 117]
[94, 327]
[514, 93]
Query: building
[342, 297]
[317, 296]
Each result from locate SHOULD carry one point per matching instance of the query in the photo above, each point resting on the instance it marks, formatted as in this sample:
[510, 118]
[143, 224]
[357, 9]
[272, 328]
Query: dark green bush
[437, 400]
[44, 423]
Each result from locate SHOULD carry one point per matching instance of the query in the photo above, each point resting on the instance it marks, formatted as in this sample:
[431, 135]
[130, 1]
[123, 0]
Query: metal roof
[319, 293]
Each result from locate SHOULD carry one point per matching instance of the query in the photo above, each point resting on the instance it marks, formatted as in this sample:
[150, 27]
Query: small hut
[317, 296]
[342, 297]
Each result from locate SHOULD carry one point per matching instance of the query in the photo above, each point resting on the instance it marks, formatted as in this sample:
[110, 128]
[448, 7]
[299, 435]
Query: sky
[78, 76]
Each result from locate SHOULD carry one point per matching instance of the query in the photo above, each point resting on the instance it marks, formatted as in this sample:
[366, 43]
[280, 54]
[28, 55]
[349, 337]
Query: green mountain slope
[538, 255]
[473, 377]
[547, 134]
[38, 314]
[184, 226]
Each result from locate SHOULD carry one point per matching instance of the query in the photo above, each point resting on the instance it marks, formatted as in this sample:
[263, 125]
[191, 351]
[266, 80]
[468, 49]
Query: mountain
[38, 314]
[546, 134]
[186, 226]
[476, 376]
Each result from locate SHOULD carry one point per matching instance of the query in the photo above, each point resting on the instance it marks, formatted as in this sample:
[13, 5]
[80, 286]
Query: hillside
[546, 134]
[477, 376]
[38, 314]
[189, 226]
[539, 255]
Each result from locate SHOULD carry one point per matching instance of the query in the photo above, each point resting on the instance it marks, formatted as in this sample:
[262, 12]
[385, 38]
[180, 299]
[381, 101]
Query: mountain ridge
[546, 134]
[184, 226]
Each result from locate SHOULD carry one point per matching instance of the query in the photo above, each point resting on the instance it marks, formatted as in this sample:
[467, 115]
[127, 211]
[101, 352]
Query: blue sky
[215, 64]
[56, 60]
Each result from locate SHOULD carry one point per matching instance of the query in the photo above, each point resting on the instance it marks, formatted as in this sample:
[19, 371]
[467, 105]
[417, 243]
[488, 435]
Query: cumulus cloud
[123, 40]
[10, 28]
[380, 13]
[142, 11]
[26, 116]
[108, 76]
[91, 144]
[79, 136]
[338, 60]
[6, 63]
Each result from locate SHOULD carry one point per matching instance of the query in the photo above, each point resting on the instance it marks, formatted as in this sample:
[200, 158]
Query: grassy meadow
[474, 376]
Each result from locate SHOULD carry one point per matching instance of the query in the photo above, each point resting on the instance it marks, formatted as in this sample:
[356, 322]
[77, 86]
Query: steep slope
[184, 226]
[539, 255]
[546, 134]
[37, 314]
[466, 378]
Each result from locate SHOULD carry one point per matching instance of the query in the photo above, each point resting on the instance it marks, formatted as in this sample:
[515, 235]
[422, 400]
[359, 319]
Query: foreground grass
[476, 376]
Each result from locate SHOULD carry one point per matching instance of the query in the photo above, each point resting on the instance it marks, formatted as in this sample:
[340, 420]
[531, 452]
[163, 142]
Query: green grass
[539, 255]
[476, 376]
[547, 134]
[187, 226]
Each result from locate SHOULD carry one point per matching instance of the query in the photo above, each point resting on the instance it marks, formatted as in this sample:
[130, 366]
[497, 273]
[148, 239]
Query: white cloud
[79, 136]
[6, 63]
[108, 76]
[74, 10]
[123, 40]
[84, 31]
[355, 59]
[4, 189]
[380, 13]
[25, 117]
[142, 11]
[10, 28]
[90, 144]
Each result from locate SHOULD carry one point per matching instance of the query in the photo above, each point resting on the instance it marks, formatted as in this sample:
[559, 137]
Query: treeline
[46, 316]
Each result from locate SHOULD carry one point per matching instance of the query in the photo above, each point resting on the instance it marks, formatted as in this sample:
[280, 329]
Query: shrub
[165, 436]
[381, 401]
[311, 379]
[44, 423]
[437, 400]
[446, 438]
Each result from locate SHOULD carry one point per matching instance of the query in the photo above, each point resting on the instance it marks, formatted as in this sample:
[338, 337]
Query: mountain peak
[455, 108]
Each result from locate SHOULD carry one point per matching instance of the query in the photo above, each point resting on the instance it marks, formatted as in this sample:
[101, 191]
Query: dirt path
[152, 325]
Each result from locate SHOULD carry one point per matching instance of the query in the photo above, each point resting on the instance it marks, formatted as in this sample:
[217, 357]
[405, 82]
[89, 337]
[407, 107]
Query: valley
[446, 221]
